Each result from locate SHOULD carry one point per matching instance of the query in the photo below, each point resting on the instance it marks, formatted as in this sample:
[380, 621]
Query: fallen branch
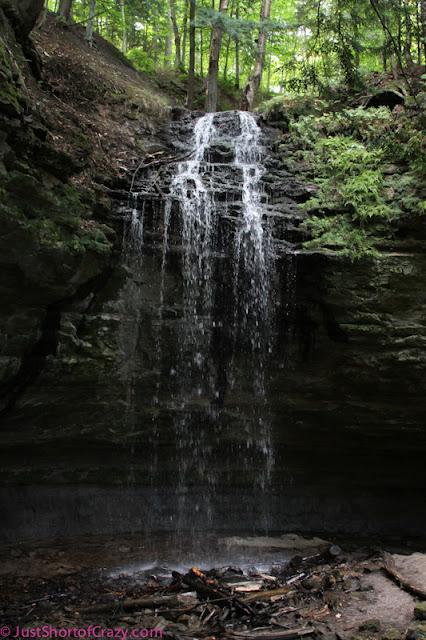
[158, 161]
[127, 605]
[272, 635]
[211, 589]
[270, 593]
[389, 567]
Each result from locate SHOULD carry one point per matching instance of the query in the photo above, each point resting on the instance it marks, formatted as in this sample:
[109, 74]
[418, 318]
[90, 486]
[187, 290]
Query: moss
[55, 218]
[364, 329]
[360, 197]
[81, 141]
[391, 634]
[11, 100]
[95, 240]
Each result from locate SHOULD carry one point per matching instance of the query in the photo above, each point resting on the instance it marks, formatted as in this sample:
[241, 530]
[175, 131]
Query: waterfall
[197, 215]
[194, 187]
[211, 383]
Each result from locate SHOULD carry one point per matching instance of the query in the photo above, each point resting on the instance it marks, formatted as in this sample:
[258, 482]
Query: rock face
[52, 253]
[322, 431]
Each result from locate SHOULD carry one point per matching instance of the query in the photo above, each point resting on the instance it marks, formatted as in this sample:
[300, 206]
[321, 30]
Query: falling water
[253, 263]
[223, 324]
[197, 214]
[194, 188]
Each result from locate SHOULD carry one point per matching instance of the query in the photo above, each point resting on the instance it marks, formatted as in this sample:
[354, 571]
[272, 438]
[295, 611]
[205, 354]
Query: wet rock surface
[92, 443]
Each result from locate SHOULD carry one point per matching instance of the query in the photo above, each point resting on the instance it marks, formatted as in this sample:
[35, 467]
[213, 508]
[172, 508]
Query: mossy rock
[12, 101]
[372, 626]
[416, 632]
[420, 611]
[391, 634]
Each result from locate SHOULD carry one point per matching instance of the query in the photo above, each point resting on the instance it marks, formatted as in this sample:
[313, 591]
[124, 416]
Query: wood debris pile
[304, 597]
[289, 602]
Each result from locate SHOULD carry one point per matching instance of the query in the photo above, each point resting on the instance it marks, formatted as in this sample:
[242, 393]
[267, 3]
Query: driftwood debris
[290, 602]
[266, 634]
[306, 597]
[389, 568]
[208, 588]
[269, 593]
[138, 603]
[160, 160]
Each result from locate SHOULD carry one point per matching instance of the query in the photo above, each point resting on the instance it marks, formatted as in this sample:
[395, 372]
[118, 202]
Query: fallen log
[389, 567]
[271, 635]
[144, 603]
[208, 588]
[269, 593]
[299, 563]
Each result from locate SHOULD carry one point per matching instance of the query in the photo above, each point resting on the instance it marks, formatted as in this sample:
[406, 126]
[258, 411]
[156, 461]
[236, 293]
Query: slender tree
[423, 26]
[215, 44]
[185, 33]
[255, 78]
[168, 50]
[408, 34]
[89, 27]
[237, 52]
[191, 72]
[124, 27]
[176, 34]
[64, 10]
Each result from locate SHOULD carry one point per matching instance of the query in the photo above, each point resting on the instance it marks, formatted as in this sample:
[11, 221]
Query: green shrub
[141, 60]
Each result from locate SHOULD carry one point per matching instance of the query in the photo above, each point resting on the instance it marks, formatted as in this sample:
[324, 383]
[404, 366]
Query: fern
[352, 155]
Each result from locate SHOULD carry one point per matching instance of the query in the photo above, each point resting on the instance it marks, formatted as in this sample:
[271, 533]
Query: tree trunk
[268, 85]
[155, 43]
[176, 34]
[423, 25]
[408, 35]
[399, 37]
[168, 50]
[89, 28]
[384, 51]
[191, 72]
[237, 53]
[419, 35]
[22, 15]
[225, 69]
[215, 44]
[394, 67]
[228, 45]
[356, 38]
[200, 58]
[255, 78]
[64, 10]
[123, 18]
[185, 32]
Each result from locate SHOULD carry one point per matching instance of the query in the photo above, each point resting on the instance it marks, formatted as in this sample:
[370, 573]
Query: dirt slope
[97, 108]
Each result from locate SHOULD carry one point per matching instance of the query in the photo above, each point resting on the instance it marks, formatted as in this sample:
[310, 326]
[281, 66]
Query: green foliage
[337, 233]
[55, 218]
[358, 190]
[362, 124]
[311, 46]
[407, 143]
[349, 174]
[141, 60]
[295, 106]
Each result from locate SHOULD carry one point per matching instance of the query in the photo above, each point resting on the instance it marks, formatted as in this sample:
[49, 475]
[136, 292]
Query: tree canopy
[286, 45]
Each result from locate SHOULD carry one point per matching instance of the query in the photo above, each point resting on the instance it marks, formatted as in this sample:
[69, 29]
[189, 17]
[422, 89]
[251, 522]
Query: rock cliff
[91, 400]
